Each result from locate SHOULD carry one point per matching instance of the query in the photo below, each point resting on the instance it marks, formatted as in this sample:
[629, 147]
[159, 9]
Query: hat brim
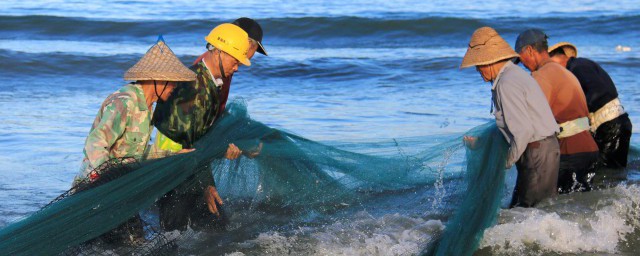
[475, 59]
[261, 49]
[571, 52]
[160, 64]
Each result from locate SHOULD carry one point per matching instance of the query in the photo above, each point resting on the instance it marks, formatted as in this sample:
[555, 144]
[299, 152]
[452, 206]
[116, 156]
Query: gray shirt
[522, 112]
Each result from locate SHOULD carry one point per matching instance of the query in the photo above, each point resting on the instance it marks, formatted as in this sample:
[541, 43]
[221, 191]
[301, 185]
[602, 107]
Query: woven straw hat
[569, 49]
[161, 64]
[486, 47]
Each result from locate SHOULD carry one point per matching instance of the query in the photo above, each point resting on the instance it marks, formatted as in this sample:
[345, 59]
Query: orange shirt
[567, 102]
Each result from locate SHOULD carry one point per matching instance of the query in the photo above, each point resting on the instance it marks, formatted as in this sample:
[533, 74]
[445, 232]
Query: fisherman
[123, 126]
[522, 115]
[578, 150]
[188, 115]
[610, 124]
[254, 31]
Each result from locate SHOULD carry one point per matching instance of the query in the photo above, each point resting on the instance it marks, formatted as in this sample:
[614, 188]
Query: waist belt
[573, 127]
[606, 113]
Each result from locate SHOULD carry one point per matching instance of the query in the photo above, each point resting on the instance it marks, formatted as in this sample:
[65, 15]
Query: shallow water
[356, 71]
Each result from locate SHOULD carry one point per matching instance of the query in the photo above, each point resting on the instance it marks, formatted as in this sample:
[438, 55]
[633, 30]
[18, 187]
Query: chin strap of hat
[224, 77]
[212, 49]
[155, 87]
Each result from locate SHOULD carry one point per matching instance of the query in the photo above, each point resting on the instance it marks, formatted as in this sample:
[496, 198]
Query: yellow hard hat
[231, 39]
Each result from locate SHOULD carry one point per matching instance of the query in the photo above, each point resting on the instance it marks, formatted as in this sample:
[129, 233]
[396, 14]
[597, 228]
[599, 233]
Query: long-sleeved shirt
[122, 128]
[192, 108]
[177, 107]
[521, 110]
[598, 87]
[567, 100]
[189, 113]
[224, 88]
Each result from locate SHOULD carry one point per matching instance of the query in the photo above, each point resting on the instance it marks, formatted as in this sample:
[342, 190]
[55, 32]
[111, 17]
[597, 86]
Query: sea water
[343, 71]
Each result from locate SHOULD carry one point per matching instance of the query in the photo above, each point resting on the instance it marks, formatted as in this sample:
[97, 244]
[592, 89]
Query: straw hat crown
[569, 49]
[486, 47]
[161, 64]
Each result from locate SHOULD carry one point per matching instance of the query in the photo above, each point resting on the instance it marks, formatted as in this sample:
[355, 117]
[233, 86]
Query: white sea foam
[595, 222]
[296, 54]
[392, 234]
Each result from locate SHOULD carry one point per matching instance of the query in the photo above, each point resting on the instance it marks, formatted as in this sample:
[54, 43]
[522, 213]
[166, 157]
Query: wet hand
[186, 150]
[211, 197]
[255, 152]
[233, 152]
[470, 141]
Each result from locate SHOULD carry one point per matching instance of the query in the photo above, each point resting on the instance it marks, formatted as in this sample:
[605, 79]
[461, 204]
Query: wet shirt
[521, 111]
[595, 82]
[121, 128]
[567, 100]
[192, 108]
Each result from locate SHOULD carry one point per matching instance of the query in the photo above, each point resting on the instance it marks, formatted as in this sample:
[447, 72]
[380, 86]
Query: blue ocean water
[355, 71]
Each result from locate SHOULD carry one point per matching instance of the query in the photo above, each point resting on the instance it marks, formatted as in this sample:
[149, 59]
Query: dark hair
[557, 51]
[540, 46]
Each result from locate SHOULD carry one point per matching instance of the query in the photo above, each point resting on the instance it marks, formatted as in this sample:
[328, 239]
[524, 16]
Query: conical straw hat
[161, 64]
[486, 47]
[569, 49]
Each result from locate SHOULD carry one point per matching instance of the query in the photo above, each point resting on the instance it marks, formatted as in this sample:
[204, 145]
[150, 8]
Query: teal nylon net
[478, 210]
[292, 176]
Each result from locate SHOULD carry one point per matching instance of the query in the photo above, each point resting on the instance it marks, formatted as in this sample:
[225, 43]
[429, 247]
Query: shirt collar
[215, 81]
[502, 70]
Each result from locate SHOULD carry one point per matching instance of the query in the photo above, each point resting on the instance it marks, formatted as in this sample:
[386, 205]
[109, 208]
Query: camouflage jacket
[122, 128]
[192, 108]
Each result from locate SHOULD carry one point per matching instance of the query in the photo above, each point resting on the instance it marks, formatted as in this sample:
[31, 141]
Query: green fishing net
[292, 176]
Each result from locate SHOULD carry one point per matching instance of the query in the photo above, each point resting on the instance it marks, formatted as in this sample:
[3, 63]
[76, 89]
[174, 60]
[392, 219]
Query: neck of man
[560, 59]
[211, 60]
[149, 91]
[495, 69]
[541, 58]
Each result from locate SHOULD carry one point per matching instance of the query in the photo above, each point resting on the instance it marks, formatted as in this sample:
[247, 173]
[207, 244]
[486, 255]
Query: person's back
[578, 152]
[126, 135]
[596, 83]
[609, 123]
[514, 79]
[567, 102]
[122, 126]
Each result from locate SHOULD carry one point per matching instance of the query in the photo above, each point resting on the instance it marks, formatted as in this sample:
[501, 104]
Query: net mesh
[122, 213]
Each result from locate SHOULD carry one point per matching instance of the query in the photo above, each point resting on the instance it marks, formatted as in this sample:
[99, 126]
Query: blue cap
[529, 37]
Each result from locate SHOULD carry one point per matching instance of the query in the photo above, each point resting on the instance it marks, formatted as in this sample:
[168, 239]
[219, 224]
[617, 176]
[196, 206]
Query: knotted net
[291, 177]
